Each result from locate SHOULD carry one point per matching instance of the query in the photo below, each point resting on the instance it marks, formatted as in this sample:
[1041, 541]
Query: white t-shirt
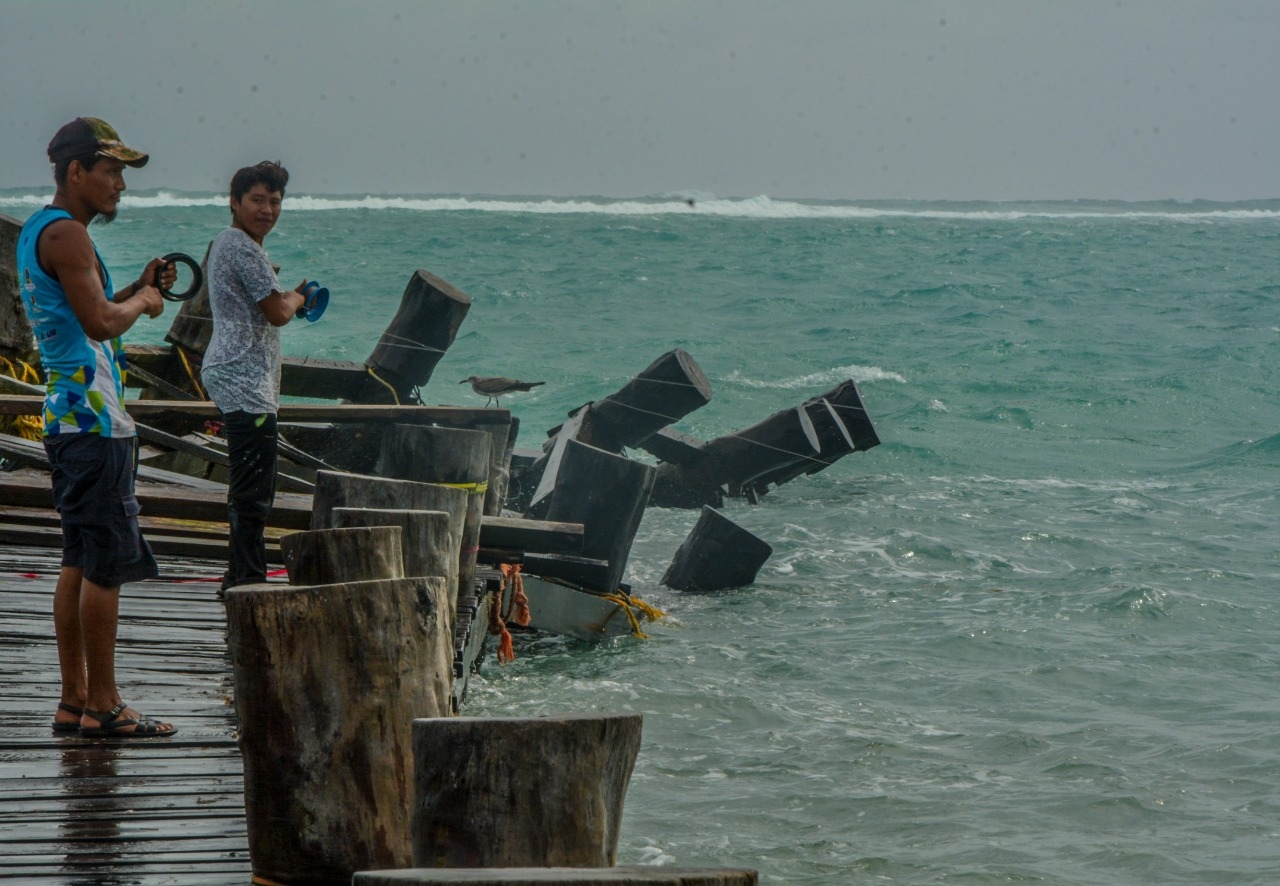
[242, 363]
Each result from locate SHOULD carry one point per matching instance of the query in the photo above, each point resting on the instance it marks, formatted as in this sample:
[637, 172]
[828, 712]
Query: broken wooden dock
[146, 811]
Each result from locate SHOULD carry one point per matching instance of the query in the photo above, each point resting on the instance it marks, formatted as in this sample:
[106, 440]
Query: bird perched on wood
[494, 386]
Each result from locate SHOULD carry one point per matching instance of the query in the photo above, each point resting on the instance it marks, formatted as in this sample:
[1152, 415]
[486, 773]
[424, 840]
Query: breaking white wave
[694, 204]
[827, 377]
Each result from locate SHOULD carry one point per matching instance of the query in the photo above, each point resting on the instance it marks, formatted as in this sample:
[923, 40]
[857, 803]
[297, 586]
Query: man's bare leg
[66, 629]
[99, 620]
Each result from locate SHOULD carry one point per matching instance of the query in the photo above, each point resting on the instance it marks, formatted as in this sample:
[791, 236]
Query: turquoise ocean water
[1030, 638]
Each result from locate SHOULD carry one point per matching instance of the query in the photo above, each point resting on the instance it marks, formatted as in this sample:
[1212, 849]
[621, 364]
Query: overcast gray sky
[921, 99]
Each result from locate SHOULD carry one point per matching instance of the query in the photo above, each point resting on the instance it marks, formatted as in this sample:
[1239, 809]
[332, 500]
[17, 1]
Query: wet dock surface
[143, 811]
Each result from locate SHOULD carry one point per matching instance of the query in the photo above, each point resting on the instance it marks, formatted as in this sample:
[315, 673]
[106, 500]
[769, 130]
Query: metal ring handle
[197, 276]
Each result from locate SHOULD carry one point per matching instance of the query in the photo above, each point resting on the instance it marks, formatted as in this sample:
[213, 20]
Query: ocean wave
[827, 377]
[695, 204]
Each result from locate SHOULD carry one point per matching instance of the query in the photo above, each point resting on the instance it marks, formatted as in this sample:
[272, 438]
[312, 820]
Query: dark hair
[61, 167]
[273, 175]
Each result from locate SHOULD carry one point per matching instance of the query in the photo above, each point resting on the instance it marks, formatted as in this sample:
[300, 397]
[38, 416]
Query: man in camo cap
[78, 317]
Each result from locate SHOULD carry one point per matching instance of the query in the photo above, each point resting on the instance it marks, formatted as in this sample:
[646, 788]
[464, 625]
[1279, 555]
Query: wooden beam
[290, 511]
[543, 536]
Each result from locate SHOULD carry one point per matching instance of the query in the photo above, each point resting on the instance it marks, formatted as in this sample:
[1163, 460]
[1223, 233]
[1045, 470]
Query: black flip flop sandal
[65, 728]
[112, 725]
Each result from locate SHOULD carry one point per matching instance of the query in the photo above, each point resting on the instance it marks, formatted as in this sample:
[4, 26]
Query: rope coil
[28, 427]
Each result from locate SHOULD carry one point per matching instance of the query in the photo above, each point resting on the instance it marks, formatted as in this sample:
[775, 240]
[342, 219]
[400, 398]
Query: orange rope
[498, 628]
[519, 602]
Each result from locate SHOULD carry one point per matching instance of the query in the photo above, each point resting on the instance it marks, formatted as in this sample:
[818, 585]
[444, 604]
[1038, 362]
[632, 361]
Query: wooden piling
[328, 681]
[426, 537]
[663, 392]
[521, 792]
[717, 554]
[731, 462]
[448, 456]
[327, 556]
[422, 330]
[335, 489]
[17, 340]
[607, 494]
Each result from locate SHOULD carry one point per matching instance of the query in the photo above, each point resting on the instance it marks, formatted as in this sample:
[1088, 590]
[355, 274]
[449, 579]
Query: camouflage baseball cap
[89, 135]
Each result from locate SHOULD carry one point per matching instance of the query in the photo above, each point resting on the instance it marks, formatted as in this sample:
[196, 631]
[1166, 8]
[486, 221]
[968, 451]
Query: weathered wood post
[502, 446]
[717, 554]
[607, 494]
[328, 682]
[426, 537]
[17, 341]
[664, 392]
[731, 462]
[521, 792]
[422, 330]
[450, 456]
[335, 489]
[842, 426]
[325, 556]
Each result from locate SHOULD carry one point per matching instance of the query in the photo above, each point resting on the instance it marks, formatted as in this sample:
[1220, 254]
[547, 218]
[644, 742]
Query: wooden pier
[143, 811]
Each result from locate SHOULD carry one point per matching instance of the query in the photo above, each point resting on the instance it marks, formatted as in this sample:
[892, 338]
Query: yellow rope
[653, 613]
[624, 604]
[474, 488]
[29, 427]
[385, 384]
[190, 373]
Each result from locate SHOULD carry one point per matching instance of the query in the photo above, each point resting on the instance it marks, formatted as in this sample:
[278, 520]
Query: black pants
[251, 440]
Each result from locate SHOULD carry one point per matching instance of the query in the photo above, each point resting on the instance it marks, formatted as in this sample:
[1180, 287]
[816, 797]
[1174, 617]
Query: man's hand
[158, 273]
[152, 302]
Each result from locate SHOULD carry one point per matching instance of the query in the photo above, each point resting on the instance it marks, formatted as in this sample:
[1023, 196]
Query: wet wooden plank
[146, 812]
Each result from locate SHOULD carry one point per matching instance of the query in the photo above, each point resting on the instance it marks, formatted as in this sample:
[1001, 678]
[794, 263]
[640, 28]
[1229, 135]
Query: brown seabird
[494, 386]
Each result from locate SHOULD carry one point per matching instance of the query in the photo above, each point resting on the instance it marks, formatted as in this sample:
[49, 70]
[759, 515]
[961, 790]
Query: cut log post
[449, 456]
[431, 311]
[521, 792]
[834, 443]
[680, 486]
[607, 494]
[192, 328]
[842, 425]
[328, 683]
[622, 875]
[665, 391]
[335, 489]
[676, 447]
[846, 400]
[783, 439]
[500, 455]
[541, 477]
[332, 556]
[17, 340]
[718, 554]
[501, 442]
[426, 537]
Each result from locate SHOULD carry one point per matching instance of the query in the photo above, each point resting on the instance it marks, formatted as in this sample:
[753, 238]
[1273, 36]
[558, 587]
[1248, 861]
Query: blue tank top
[84, 385]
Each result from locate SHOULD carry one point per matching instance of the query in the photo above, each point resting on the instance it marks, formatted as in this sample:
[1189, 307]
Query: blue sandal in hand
[112, 725]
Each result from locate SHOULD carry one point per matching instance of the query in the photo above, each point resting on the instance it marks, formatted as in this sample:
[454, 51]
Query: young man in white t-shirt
[241, 369]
